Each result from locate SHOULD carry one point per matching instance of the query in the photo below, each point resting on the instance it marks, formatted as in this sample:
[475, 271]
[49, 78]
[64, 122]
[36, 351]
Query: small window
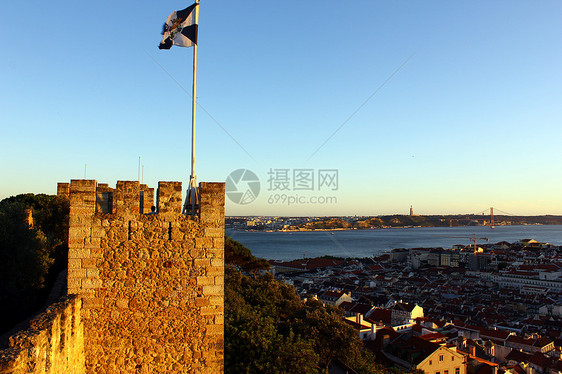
[430, 362]
[457, 371]
[452, 358]
[440, 357]
[445, 371]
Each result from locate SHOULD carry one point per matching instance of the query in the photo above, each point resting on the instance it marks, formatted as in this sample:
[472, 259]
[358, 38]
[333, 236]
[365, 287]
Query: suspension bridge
[488, 216]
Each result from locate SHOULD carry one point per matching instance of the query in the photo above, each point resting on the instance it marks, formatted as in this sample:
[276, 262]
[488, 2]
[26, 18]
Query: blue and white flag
[180, 28]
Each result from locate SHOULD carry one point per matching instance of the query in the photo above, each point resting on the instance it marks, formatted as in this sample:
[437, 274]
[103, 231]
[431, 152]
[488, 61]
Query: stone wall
[54, 342]
[152, 285]
[63, 189]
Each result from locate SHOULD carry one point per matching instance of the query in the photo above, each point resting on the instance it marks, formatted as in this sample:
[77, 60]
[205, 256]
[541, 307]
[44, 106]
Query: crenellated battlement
[128, 196]
[151, 284]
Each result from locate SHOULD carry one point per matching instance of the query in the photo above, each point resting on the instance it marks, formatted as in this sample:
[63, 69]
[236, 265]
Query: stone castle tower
[151, 283]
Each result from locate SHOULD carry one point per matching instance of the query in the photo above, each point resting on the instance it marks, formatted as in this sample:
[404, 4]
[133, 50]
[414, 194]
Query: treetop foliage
[28, 253]
[269, 329]
[237, 254]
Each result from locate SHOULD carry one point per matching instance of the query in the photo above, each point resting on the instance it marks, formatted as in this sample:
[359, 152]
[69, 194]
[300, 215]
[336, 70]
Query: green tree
[237, 254]
[332, 336]
[253, 341]
[50, 215]
[24, 255]
[27, 254]
[269, 329]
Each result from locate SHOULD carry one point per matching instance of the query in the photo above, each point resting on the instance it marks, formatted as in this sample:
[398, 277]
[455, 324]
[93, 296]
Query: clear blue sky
[472, 120]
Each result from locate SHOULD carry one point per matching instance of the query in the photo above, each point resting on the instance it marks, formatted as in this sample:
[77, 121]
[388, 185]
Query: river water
[368, 243]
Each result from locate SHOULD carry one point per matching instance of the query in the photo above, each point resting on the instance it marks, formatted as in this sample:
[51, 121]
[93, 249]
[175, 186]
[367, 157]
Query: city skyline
[451, 108]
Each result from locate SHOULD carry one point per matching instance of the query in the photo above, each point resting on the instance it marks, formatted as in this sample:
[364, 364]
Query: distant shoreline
[323, 224]
[385, 227]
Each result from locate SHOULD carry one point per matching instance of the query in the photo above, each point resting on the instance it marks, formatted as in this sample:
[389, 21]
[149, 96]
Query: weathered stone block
[88, 263]
[213, 232]
[74, 283]
[205, 281]
[201, 262]
[78, 253]
[201, 301]
[92, 273]
[215, 271]
[216, 254]
[76, 273]
[96, 253]
[76, 242]
[90, 283]
[98, 232]
[213, 290]
[92, 303]
[217, 300]
[203, 243]
[74, 263]
[215, 330]
[217, 263]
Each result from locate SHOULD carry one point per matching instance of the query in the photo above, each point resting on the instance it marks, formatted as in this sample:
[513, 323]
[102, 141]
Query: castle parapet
[151, 285]
[63, 189]
[104, 198]
[146, 198]
[54, 342]
[126, 198]
[169, 198]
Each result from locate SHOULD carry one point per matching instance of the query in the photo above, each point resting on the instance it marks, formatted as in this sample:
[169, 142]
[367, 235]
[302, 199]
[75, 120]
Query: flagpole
[191, 203]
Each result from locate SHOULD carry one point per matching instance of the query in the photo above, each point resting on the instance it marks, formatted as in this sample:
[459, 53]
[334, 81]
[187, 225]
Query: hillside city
[275, 223]
[496, 308]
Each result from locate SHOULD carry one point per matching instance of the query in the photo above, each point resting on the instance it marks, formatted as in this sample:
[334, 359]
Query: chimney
[359, 318]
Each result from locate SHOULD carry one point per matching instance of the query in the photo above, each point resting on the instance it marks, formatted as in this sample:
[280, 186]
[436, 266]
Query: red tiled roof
[523, 273]
[516, 368]
[519, 340]
[355, 325]
[346, 305]
[542, 342]
[433, 336]
[495, 334]
[547, 267]
[361, 308]
[540, 360]
[517, 356]
[380, 315]
[334, 294]
[404, 306]
[482, 361]
[417, 328]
